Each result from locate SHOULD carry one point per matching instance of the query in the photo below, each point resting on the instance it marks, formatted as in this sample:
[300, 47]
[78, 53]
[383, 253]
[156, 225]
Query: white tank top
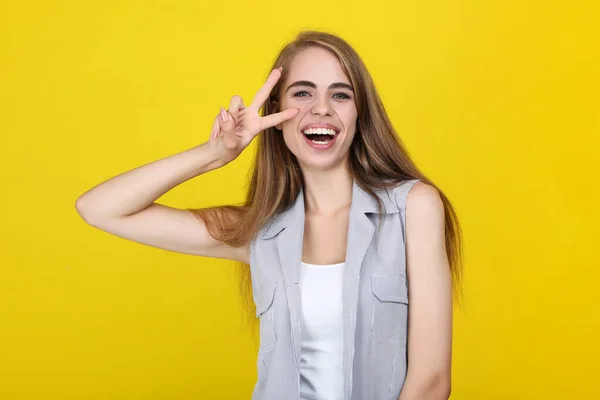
[321, 373]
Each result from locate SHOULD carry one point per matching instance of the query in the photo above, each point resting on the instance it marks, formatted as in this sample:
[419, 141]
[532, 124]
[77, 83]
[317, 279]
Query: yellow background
[498, 102]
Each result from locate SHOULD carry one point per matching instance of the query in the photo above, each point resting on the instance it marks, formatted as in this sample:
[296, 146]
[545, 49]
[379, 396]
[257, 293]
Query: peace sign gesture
[234, 130]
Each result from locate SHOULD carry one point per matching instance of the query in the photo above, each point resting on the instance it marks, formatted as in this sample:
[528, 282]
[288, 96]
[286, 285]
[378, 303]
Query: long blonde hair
[377, 159]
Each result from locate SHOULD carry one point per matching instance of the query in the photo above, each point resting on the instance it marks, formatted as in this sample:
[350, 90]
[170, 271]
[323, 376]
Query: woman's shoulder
[421, 198]
[414, 191]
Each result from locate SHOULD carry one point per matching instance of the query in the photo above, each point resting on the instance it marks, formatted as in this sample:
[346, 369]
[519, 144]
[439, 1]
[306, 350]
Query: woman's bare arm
[430, 297]
[124, 206]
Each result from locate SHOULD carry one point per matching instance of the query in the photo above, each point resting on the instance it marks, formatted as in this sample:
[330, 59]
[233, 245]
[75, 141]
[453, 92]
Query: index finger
[263, 93]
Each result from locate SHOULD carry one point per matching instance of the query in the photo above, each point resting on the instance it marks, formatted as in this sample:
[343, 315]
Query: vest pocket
[264, 298]
[390, 309]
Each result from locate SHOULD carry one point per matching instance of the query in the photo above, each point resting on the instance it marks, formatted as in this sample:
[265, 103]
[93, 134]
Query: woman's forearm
[134, 190]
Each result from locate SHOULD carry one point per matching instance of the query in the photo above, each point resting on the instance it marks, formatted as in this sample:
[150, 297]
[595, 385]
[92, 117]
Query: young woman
[340, 235]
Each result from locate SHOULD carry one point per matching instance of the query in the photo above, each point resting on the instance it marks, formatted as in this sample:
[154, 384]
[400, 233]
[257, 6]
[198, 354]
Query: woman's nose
[321, 106]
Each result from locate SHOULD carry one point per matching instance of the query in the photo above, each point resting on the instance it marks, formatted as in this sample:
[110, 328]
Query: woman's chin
[319, 162]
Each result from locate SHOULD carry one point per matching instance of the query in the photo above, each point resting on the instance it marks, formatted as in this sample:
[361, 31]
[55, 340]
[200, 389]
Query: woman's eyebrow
[334, 85]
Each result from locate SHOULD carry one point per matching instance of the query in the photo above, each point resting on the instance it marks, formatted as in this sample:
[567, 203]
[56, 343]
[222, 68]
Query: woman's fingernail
[224, 115]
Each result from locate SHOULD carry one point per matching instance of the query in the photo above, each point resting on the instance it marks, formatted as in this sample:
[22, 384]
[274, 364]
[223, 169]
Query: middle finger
[263, 93]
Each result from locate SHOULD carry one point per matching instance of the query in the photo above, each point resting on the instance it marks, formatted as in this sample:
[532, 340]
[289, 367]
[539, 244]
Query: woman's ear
[275, 106]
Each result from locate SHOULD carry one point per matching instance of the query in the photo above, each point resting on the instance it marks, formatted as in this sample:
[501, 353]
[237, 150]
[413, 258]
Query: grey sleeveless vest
[375, 299]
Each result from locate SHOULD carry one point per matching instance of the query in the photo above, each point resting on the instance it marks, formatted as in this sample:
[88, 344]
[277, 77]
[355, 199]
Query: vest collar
[361, 202]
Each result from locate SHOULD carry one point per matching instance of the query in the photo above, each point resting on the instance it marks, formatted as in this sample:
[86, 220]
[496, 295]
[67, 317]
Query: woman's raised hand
[234, 130]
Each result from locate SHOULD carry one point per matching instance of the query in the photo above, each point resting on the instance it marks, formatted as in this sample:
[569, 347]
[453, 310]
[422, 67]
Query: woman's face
[317, 85]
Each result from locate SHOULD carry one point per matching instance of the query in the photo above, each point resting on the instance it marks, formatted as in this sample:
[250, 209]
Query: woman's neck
[327, 193]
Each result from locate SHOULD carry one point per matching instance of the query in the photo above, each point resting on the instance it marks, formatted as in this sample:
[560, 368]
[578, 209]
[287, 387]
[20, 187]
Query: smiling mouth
[320, 135]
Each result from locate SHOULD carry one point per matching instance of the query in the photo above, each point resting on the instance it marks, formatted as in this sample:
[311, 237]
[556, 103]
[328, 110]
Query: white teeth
[317, 142]
[319, 131]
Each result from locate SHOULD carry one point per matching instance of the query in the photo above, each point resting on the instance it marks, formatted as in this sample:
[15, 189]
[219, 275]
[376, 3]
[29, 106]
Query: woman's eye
[342, 95]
